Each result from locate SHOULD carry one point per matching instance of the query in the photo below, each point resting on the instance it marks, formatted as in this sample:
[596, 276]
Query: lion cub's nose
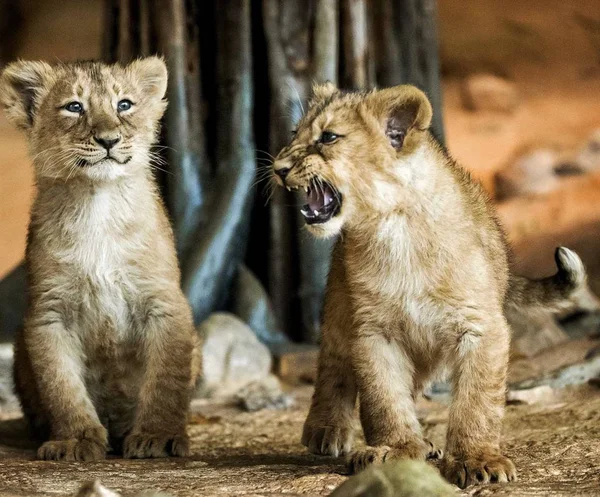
[283, 172]
[107, 142]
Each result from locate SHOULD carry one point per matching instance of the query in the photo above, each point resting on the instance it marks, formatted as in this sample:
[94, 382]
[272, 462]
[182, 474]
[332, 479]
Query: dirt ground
[555, 445]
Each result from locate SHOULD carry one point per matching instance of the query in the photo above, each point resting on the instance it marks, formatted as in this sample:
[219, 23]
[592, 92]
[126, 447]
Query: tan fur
[417, 286]
[106, 352]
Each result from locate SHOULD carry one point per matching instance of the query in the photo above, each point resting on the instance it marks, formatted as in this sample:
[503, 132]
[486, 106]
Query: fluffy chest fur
[90, 244]
[418, 273]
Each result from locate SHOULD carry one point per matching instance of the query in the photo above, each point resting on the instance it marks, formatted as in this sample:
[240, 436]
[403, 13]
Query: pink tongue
[318, 197]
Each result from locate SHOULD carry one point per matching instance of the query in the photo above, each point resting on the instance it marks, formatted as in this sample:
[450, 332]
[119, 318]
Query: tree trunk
[217, 54]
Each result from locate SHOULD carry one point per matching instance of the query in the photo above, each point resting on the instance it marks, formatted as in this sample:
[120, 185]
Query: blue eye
[75, 107]
[124, 105]
[328, 137]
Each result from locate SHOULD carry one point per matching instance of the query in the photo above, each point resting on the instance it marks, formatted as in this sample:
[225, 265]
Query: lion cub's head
[350, 152]
[86, 119]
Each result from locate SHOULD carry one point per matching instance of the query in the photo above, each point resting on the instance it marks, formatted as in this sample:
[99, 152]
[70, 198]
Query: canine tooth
[288, 189]
[306, 189]
[316, 213]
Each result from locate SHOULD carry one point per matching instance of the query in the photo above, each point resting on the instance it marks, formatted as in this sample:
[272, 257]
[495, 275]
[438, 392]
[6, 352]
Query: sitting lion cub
[418, 284]
[106, 351]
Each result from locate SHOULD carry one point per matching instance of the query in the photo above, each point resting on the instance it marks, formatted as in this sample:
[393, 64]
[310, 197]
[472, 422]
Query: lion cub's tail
[564, 291]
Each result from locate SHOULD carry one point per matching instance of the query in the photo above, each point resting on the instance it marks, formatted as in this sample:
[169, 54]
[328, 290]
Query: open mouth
[322, 202]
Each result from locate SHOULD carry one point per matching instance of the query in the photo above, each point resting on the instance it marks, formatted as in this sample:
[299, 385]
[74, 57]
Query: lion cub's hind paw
[72, 450]
[477, 471]
[143, 446]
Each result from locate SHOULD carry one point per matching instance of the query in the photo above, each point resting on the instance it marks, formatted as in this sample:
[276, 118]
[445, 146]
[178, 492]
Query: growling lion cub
[418, 284]
[106, 352]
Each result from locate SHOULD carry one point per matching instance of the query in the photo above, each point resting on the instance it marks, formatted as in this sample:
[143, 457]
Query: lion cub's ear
[401, 109]
[151, 73]
[322, 92]
[21, 86]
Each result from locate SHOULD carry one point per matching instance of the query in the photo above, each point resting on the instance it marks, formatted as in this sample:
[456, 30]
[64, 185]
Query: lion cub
[418, 284]
[106, 351]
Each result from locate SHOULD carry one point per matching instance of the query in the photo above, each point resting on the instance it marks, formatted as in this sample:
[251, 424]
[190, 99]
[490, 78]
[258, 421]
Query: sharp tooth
[306, 189]
[316, 213]
[288, 189]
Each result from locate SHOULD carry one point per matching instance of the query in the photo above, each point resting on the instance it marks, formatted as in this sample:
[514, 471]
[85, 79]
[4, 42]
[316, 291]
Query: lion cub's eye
[328, 137]
[124, 105]
[75, 107]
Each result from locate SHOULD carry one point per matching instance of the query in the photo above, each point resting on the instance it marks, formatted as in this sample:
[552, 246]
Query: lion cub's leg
[76, 433]
[384, 375]
[329, 427]
[479, 388]
[159, 428]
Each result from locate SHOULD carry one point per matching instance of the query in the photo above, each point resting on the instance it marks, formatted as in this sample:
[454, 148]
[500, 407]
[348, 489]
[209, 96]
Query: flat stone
[296, 363]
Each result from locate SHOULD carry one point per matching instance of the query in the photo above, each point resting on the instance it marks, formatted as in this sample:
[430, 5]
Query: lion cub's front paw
[72, 450]
[145, 445]
[363, 458]
[328, 440]
[433, 452]
[487, 468]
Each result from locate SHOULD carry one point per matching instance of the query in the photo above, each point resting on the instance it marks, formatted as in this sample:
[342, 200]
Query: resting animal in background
[108, 343]
[418, 284]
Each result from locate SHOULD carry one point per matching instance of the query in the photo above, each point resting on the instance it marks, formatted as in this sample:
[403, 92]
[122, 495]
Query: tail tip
[570, 265]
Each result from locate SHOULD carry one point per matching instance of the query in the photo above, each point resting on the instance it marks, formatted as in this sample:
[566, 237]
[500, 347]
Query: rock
[296, 363]
[405, 478]
[536, 395]
[8, 400]
[588, 157]
[96, 489]
[488, 92]
[232, 355]
[530, 172]
[263, 394]
[575, 374]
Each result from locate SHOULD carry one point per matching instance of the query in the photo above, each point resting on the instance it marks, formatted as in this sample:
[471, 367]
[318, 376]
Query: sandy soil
[555, 445]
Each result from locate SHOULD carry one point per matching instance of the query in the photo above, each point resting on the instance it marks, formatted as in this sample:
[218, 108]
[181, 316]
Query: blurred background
[518, 95]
